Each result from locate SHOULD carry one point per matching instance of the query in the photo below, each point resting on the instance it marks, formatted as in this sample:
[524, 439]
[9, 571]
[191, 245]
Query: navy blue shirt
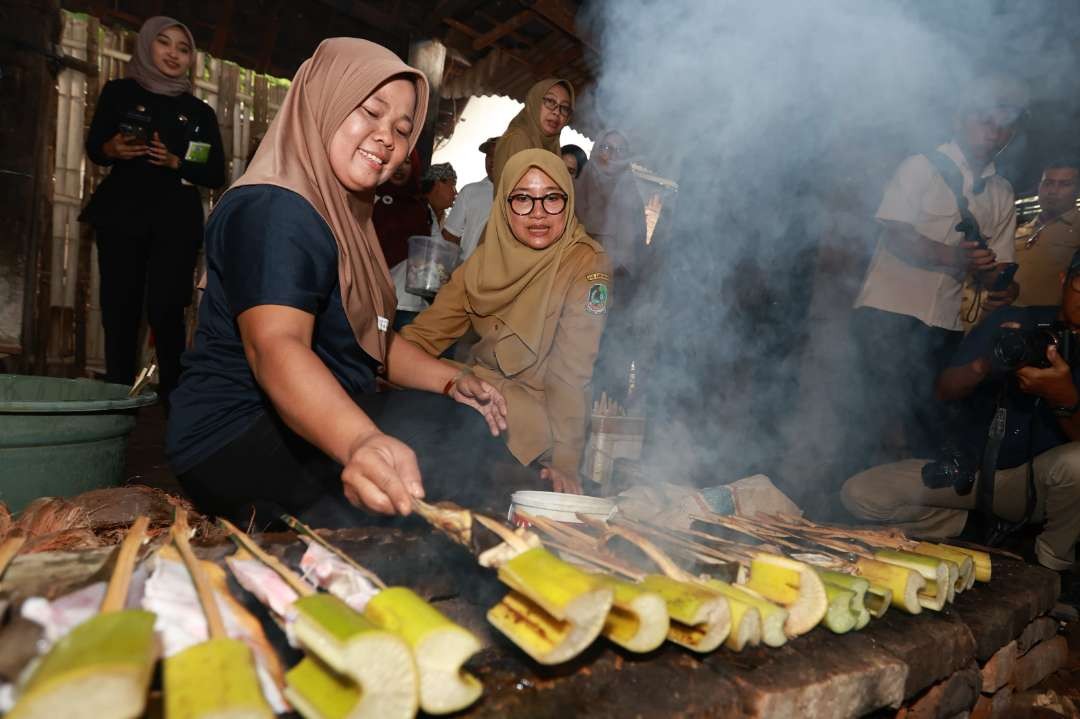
[265, 245]
[1031, 427]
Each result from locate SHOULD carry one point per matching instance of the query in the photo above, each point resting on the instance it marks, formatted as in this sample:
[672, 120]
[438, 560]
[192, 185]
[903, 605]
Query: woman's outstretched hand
[124, 147]
[485, 399]
[381, 474]
[560, 482]
[160, 155]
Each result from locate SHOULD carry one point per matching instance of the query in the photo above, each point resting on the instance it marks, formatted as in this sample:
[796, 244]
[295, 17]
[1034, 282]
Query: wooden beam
[473, 33]
[560, 15]
[446, 10]
[502, 29]
[514, 35]
[369, 15]
[222, 29]
[555, 63]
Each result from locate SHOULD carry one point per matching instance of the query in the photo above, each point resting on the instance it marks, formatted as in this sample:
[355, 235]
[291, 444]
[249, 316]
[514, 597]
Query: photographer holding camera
[161, 144]
[1014, 379]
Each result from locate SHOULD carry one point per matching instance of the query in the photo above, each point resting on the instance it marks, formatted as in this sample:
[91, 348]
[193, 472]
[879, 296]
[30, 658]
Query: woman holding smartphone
[162, 144]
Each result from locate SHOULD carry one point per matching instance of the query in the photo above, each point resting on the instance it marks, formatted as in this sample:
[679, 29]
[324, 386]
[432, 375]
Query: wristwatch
[1066, 410]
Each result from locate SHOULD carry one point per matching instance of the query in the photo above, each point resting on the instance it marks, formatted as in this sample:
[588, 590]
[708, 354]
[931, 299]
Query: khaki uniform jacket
[547, 401]
[1044, 252]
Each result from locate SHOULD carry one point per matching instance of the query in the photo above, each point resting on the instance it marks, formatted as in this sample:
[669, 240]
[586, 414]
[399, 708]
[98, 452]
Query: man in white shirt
[468, 217]
[907, 319]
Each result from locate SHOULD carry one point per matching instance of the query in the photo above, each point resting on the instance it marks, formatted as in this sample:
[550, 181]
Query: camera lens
[1011, 349]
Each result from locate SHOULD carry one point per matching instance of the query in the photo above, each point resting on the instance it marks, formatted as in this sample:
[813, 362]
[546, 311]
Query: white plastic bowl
[556, 505]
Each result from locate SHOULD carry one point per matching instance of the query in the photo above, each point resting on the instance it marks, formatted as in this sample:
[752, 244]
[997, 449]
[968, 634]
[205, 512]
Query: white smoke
[782, 120]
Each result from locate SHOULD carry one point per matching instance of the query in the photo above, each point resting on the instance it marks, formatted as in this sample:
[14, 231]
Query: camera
[955, 468]
[1016, 348]
[136, 125]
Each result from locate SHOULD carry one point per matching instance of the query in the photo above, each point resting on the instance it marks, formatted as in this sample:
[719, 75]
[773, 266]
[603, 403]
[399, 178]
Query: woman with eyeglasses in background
[549, 105]
[536, 292]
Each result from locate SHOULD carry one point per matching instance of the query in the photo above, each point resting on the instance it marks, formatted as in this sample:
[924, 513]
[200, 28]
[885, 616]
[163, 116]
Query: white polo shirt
[469, 215]
[917, 195]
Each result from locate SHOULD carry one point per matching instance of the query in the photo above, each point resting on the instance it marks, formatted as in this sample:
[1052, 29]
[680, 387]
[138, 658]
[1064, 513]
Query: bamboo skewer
[504, 533]
[214, 622]
[217, 677]
[582, 546]
[298, 585]
[103, 664]
[298, 526]
[120, 581]
[697, 549]
[657, 555]
[784, 537]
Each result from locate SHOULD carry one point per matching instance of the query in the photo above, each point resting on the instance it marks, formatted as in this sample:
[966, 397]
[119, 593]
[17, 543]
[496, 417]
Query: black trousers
[900, 358]
[270, 469]
[148, 262]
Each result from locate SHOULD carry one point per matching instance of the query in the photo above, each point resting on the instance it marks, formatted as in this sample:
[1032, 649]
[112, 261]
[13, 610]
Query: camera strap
[954, 179]
[968, 225]
[984, 496]
[994, 529]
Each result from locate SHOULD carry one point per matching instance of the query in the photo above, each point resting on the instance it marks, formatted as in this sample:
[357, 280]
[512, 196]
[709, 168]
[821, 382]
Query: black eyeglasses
[618, 150]
[522, 204]
[553, 105]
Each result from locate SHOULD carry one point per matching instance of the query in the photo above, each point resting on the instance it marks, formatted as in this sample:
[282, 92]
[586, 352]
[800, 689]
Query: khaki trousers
[895, 494]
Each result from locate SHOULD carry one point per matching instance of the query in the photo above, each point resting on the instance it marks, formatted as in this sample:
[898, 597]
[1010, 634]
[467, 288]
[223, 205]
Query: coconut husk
[117, 507]
[101, 517]
[64, 540]
[48, 515]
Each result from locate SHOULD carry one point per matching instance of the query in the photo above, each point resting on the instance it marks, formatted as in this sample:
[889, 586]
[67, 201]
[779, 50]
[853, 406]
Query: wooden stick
[598, 560]
[10, 548]
[291, 578]
[505, 533]
[698, 549]
[569, 533]
[298, 526]
[120, 581]
[653, 552]
[214, 623]
[580, 544]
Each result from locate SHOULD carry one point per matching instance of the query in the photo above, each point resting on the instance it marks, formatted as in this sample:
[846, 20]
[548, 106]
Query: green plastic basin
[60, 437]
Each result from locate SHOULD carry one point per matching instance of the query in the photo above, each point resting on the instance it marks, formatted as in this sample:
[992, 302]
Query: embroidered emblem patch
[597, 277]
[596, 302]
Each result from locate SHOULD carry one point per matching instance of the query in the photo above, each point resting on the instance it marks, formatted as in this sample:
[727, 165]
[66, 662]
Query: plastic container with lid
[431, 260]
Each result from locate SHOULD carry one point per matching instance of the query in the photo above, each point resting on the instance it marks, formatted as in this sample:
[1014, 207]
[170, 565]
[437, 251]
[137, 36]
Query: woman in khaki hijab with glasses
[536, 292]
[549, 105]
[277, 409]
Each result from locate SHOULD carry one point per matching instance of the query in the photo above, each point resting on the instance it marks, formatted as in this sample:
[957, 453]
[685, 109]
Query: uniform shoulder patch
[597, 277]
[597, 299]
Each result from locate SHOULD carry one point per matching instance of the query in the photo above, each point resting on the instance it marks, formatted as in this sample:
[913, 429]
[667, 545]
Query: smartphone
[1005, 278]
[136, 125]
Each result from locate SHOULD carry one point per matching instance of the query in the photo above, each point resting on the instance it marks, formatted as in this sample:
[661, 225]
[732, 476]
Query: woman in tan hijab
[277, 408]
[536, 293]
[549, 105]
